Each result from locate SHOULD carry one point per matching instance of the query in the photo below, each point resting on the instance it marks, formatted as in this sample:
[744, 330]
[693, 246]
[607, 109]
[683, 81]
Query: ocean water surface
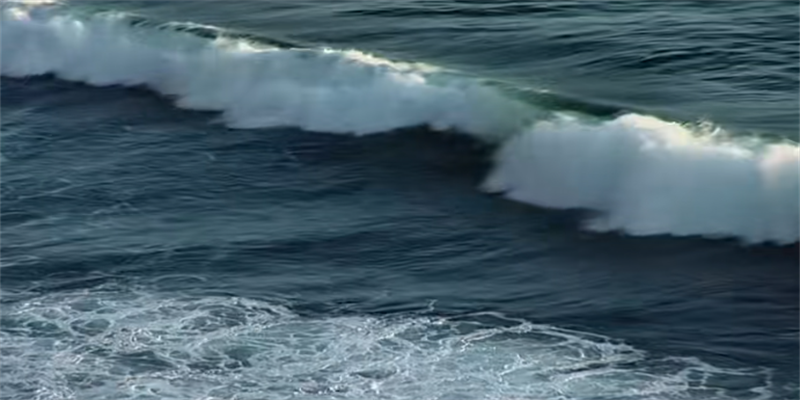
[426, 199]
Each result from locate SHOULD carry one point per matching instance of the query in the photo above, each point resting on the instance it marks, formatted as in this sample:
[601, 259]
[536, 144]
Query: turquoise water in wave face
[249, 200]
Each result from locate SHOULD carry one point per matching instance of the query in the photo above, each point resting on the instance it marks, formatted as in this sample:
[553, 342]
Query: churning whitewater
[642, 175]
[189, 341]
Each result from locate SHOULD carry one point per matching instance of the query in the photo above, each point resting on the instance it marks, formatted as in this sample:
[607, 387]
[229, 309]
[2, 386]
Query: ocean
[418, 199]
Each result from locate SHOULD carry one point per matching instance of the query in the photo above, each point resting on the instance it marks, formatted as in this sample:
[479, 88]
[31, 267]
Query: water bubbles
[142, 345]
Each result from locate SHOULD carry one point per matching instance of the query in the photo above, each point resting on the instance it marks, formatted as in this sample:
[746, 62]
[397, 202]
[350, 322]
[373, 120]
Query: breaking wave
[643, 175]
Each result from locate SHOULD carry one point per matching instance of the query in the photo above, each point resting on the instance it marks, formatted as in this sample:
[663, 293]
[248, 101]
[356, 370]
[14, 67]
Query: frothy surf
[649, 177]
[643, 175]
[120, 343]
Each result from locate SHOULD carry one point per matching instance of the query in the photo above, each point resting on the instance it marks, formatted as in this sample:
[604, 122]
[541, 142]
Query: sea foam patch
[119, 343]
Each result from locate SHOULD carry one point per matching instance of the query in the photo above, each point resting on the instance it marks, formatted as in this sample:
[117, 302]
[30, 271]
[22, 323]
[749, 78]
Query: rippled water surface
[399, 200]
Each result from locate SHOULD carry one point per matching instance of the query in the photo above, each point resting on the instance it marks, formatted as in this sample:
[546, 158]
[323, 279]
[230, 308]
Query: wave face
[643, 175]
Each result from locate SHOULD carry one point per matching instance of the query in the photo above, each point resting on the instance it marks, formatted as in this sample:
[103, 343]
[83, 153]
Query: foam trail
[645, 176]
[648, 177]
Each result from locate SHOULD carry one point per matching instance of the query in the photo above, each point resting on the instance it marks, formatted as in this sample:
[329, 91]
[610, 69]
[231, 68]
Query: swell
[644, 176]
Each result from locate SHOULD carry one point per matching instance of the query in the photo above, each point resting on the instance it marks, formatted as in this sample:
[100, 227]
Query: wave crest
[254, 86]
[644, 175]
[647, 177]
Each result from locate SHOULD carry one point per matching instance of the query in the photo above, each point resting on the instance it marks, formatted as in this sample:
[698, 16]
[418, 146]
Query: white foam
[647, 176]
[252, 85]
[644, 175]
[123, 344]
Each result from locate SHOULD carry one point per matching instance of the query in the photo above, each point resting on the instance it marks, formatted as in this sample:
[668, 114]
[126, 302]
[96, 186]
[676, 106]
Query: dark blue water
[193, 208]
